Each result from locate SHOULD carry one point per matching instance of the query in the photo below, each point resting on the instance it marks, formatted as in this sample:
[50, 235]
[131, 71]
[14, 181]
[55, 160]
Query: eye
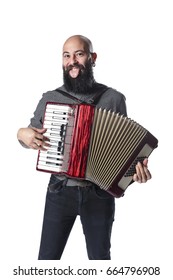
[66, 55]
[79, 54]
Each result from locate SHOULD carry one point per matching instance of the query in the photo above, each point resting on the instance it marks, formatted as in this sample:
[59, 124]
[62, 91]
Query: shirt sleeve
[122, 108]
[37, 119]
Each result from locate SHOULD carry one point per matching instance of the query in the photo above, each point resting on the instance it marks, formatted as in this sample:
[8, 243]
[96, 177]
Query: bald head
[78, 48]
[82, 40]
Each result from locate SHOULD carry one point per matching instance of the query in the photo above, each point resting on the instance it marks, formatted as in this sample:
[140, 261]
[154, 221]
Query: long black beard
[83, 82]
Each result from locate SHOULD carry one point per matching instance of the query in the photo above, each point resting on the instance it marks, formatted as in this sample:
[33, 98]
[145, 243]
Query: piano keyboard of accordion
[94, 144]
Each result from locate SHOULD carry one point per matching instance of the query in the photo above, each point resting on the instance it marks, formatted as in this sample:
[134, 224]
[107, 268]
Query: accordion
[93, 144]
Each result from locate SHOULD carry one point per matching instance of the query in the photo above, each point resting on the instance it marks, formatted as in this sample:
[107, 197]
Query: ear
[94, 57]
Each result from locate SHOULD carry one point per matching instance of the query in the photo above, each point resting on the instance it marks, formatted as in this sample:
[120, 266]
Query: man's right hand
[33, 138]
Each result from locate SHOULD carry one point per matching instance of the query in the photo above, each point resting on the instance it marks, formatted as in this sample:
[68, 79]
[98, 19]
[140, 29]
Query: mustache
[76, 65]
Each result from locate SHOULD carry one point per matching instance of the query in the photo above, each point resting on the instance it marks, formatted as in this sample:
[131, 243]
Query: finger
[38, 146]
[34, 146]
[135, 178]
[143, 173]
[138, 172]
[45, 144]
[46, 139]
[147, 173]
[41, 148]
[38, 134]
[145, 162]
[41, 138]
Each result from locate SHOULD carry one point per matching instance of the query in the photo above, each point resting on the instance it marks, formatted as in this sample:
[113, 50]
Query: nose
[73, 59]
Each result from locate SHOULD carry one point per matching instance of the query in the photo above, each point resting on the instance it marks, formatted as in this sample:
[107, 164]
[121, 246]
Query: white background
[133, 40]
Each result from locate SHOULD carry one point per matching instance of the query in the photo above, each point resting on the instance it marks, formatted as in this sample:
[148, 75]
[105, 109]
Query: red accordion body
[94, 144]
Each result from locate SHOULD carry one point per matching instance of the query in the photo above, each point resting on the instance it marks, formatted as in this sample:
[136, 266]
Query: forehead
[75, 44]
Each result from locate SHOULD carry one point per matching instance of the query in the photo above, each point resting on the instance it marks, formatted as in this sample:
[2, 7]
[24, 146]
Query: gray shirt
[110, 100]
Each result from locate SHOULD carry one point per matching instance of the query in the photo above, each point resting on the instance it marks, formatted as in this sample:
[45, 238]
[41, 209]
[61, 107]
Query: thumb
[39, 130]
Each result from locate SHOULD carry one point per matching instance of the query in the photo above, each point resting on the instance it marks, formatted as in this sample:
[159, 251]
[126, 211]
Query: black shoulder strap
[92, 100]
[69, 95]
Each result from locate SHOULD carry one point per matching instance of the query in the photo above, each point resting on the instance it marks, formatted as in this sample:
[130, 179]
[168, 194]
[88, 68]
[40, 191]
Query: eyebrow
[75, 51]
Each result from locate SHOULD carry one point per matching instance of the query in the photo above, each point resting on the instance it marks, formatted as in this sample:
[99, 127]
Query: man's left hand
[142, 174]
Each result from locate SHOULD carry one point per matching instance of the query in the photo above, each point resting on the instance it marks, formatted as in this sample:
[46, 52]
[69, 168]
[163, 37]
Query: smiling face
[75, 56]
[77, 63]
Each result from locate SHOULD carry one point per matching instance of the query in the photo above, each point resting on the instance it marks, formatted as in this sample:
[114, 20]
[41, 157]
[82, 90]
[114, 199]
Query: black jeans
[63, 203]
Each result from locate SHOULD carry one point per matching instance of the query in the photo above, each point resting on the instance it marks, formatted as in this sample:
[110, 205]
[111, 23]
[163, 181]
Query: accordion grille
[113, 141]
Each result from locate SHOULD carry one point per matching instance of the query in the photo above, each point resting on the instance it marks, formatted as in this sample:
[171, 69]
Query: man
[66, 198]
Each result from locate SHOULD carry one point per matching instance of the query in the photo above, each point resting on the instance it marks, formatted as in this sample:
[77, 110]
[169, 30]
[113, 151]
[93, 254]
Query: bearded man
[66, 198]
